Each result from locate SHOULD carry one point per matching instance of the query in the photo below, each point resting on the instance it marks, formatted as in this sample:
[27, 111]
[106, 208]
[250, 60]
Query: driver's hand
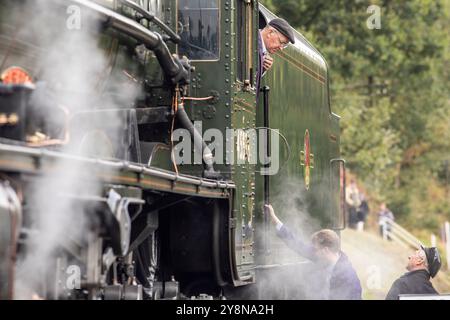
[268, 61]
[273, 216]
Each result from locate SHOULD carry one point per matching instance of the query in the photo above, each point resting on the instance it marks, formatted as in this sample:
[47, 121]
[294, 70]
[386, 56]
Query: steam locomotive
[135, 156]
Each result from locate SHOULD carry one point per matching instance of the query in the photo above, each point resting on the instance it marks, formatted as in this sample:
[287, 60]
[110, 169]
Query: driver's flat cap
[283, 27]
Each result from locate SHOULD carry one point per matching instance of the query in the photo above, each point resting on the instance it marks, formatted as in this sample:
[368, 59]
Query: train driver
[274, 37]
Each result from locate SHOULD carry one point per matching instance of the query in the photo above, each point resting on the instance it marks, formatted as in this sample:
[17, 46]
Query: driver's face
[275, 41]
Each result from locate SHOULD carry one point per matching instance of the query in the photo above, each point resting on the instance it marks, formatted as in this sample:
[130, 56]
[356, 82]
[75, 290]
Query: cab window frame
[245, 42]
[219, 29]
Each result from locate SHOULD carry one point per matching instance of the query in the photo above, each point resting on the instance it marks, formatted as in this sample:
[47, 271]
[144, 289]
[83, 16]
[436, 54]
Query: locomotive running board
[23, 159]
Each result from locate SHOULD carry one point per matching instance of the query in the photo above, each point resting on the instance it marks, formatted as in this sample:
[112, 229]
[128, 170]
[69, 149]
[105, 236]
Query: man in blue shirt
[342, 281]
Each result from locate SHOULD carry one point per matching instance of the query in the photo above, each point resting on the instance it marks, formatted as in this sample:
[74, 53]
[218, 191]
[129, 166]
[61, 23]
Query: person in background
[385, 216]
[363, 211]
[352, 199]
[422, 265]
[342, 282]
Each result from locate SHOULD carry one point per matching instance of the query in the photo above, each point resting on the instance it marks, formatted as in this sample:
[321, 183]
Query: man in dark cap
[274, 37]
[422, 265]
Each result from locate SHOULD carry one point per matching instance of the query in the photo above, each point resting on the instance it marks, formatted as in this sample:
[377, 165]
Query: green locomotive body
[113, 91]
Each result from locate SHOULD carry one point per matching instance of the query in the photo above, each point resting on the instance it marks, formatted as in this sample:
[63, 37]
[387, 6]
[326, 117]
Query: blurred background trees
[392, 88]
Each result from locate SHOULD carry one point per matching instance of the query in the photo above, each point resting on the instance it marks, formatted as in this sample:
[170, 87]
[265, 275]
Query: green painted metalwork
[299, 102]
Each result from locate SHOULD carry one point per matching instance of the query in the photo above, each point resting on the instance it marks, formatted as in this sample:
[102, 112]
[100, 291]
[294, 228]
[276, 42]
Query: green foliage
[391, 86]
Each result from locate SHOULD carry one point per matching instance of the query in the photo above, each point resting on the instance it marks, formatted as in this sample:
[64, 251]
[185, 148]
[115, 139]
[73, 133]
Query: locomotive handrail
[266, 90]
[171, 65]
[342, 201]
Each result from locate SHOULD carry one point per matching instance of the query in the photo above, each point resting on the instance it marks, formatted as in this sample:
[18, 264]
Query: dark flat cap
[433, 259]
[283, 27]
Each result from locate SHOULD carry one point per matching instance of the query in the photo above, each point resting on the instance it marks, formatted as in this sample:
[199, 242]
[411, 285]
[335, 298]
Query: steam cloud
[71, 65]
[293, 277]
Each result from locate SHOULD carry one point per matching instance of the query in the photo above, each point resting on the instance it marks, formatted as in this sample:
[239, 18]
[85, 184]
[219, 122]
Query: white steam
[74, 67]
[292, 276]
[378, 263]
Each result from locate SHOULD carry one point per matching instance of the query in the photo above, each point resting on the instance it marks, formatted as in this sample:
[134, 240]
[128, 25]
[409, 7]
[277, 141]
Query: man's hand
[274, 218]
[268, 61]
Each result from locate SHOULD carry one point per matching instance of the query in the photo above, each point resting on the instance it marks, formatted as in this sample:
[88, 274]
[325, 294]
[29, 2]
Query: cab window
[198, 27]
[155, 7]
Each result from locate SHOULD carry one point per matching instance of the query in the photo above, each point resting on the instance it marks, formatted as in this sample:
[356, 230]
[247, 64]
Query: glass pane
[155, 7]
[152, 6]
[198, 26]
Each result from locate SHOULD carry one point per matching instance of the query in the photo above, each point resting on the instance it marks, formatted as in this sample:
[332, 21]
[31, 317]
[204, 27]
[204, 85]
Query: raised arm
[291, 240]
